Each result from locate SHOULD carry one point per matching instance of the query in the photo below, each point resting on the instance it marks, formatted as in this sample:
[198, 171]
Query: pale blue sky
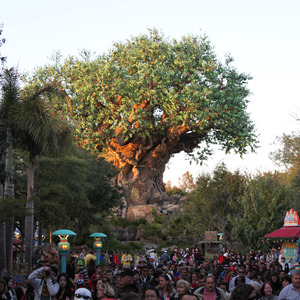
[262, 36]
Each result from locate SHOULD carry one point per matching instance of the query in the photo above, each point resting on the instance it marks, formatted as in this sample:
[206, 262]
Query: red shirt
[207, 296]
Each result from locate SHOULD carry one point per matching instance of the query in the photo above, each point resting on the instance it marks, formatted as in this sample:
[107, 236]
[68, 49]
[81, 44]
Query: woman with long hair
[165, 286]
[11, 291]
[104, 290]
[266, 292]
[3, 290]
[66, 288]
[275, 283]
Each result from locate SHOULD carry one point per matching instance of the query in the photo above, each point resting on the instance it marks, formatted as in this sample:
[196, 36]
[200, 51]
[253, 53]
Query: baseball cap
[80, 264]
[126, 272]
[83, 293]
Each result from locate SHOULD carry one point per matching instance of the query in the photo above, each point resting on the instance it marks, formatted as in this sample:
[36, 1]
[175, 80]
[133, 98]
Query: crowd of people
[179, 274]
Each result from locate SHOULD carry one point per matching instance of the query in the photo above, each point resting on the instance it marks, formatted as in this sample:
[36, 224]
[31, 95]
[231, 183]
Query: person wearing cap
[165, 257]
[82, 294]
[241, 273]
[82, 272]
[152, 261]
[44, 282]
[126, 283]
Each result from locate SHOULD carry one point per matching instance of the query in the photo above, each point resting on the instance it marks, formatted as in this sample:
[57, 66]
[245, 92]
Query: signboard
[291, 218]
[289, 251]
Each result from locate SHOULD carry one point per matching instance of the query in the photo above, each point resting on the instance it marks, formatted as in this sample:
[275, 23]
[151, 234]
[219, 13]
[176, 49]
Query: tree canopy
[149, 98]
[150, 87]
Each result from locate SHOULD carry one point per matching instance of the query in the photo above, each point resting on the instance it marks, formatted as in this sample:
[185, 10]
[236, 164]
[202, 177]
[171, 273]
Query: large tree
[150, 98]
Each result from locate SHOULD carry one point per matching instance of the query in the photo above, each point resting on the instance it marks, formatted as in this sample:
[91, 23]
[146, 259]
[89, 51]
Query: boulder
[140, 211]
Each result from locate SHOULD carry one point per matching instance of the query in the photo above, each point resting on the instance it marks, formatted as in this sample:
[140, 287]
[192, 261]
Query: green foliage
[124, 222]
[151, 87]
[261, 209]
[211, 202]
[79, 194]
[289, 152]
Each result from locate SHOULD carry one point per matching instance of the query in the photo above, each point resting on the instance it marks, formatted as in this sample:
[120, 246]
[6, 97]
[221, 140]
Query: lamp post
[63, 246]
[98, 244]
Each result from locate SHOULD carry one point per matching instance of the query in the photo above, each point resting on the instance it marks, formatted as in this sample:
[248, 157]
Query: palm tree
[43, 133]
[38, 130]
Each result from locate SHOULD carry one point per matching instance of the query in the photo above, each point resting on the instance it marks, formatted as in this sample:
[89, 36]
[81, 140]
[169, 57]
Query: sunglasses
[82, 296]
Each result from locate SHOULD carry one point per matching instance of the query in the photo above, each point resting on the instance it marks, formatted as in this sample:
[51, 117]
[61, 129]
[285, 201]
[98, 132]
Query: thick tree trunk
[29, 220]
[141, 164]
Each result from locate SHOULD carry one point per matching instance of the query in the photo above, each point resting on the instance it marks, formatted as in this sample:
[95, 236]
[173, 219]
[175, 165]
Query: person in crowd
[126, 259]
[82, 273]
[286, 280]
[97, 275]
[154, 282]
[3, 290]
[190, 297]
[183, 274]
[131, 296]
[44, 282]
[118, 287]
[66, 288]
[201, 280]
[82, 254]
[281, 274]
[165, 257]
[10, 287]
[243, 292]
[224, 286]
[231, 271]
[71, 268]
[241, 273]
[126, 283]
[90, 255]
[194, 281]
[151, 293]
[165, 286]
[267, 292]
[276, 283]
[104, 290]
[292, 291]
[210, 290]
[109, 275]
[83, 294]
[182, 288]
[91, 267]
[115, 258]
[145, 277]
